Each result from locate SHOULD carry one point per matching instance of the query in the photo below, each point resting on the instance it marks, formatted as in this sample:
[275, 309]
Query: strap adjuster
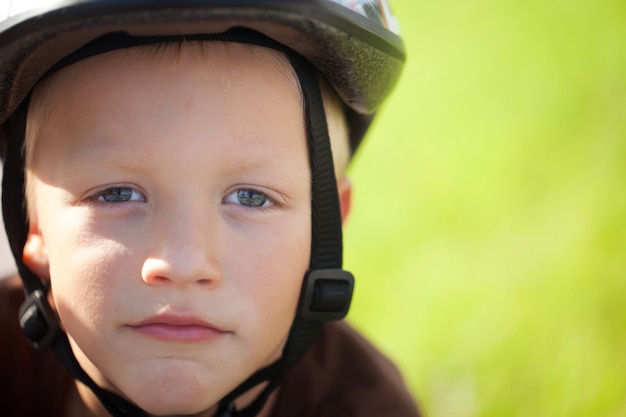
[38, 321]
[326, 294]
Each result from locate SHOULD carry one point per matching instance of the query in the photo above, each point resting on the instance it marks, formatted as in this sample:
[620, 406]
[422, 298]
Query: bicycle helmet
[353, 44]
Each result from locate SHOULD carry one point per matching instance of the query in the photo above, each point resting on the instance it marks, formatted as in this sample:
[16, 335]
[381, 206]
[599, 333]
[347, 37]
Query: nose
[184, 251]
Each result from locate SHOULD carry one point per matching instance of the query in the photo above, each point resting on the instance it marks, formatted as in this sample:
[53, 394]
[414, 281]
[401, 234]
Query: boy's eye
[119, 195]
[249, 198]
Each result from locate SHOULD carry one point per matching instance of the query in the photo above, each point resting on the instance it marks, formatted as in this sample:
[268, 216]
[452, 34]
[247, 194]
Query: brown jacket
[342, 375]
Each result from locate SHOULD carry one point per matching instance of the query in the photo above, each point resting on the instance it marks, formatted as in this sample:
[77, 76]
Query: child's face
[171, 213]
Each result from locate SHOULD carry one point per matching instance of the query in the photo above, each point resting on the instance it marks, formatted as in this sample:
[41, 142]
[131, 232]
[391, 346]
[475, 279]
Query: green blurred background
[488, 226]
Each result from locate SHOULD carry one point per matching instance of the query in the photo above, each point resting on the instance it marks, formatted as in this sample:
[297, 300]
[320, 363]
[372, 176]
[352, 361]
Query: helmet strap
[37, 319]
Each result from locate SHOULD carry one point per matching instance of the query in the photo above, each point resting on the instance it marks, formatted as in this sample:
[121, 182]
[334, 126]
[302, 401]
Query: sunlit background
[488, 233]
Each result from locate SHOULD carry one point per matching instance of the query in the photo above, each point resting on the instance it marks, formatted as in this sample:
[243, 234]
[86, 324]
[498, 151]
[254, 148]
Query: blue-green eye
[120, 195]
[248, 197]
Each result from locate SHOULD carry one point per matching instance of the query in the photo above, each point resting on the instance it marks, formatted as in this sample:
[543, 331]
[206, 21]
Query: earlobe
[344, 188]
[35, 255]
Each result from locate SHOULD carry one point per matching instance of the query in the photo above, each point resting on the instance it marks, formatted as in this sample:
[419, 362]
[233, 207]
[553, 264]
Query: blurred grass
[488, 232]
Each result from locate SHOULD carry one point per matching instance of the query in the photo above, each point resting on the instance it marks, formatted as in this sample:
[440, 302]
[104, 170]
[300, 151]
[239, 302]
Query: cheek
[85, 275]
[271, 270]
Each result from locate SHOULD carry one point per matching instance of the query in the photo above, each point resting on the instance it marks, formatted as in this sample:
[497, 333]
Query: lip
[178, 328]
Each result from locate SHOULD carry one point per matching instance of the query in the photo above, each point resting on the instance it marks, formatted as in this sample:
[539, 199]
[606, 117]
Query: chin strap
[326, 290]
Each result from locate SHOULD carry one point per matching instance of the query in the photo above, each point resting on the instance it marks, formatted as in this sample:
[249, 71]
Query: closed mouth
[178, 328]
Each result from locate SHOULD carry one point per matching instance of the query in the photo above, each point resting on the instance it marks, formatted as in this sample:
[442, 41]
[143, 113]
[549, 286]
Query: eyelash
[121, 192]
[251, 193]
[132, 194]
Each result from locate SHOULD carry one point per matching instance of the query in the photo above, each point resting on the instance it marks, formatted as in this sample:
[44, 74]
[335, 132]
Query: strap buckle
[327, 294]
[38, 321]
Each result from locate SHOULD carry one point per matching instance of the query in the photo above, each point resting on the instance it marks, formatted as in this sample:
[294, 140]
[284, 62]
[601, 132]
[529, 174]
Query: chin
[168, 396]
[175, 407]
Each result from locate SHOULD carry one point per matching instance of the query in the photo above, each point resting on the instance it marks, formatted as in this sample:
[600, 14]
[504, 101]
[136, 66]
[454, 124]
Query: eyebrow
[96, 157]
[290, 168]
[99, 157]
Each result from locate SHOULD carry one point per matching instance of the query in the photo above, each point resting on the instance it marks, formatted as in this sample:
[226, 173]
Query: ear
[35, 254]
[344, 188]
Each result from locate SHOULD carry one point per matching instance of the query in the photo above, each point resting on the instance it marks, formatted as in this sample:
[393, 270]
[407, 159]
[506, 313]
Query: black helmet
[353, 44]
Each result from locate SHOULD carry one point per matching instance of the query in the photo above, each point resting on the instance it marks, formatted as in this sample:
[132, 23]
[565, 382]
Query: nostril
[155, 271]
[204, 282]
[159, 280]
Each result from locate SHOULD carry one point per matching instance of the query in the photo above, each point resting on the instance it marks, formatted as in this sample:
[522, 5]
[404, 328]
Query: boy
[177, 189]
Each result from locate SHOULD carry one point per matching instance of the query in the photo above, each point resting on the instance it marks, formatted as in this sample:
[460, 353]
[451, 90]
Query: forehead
[137, 91]
[219, 60]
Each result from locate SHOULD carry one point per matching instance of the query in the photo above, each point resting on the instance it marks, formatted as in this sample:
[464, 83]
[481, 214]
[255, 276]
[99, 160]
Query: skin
[208, 219]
